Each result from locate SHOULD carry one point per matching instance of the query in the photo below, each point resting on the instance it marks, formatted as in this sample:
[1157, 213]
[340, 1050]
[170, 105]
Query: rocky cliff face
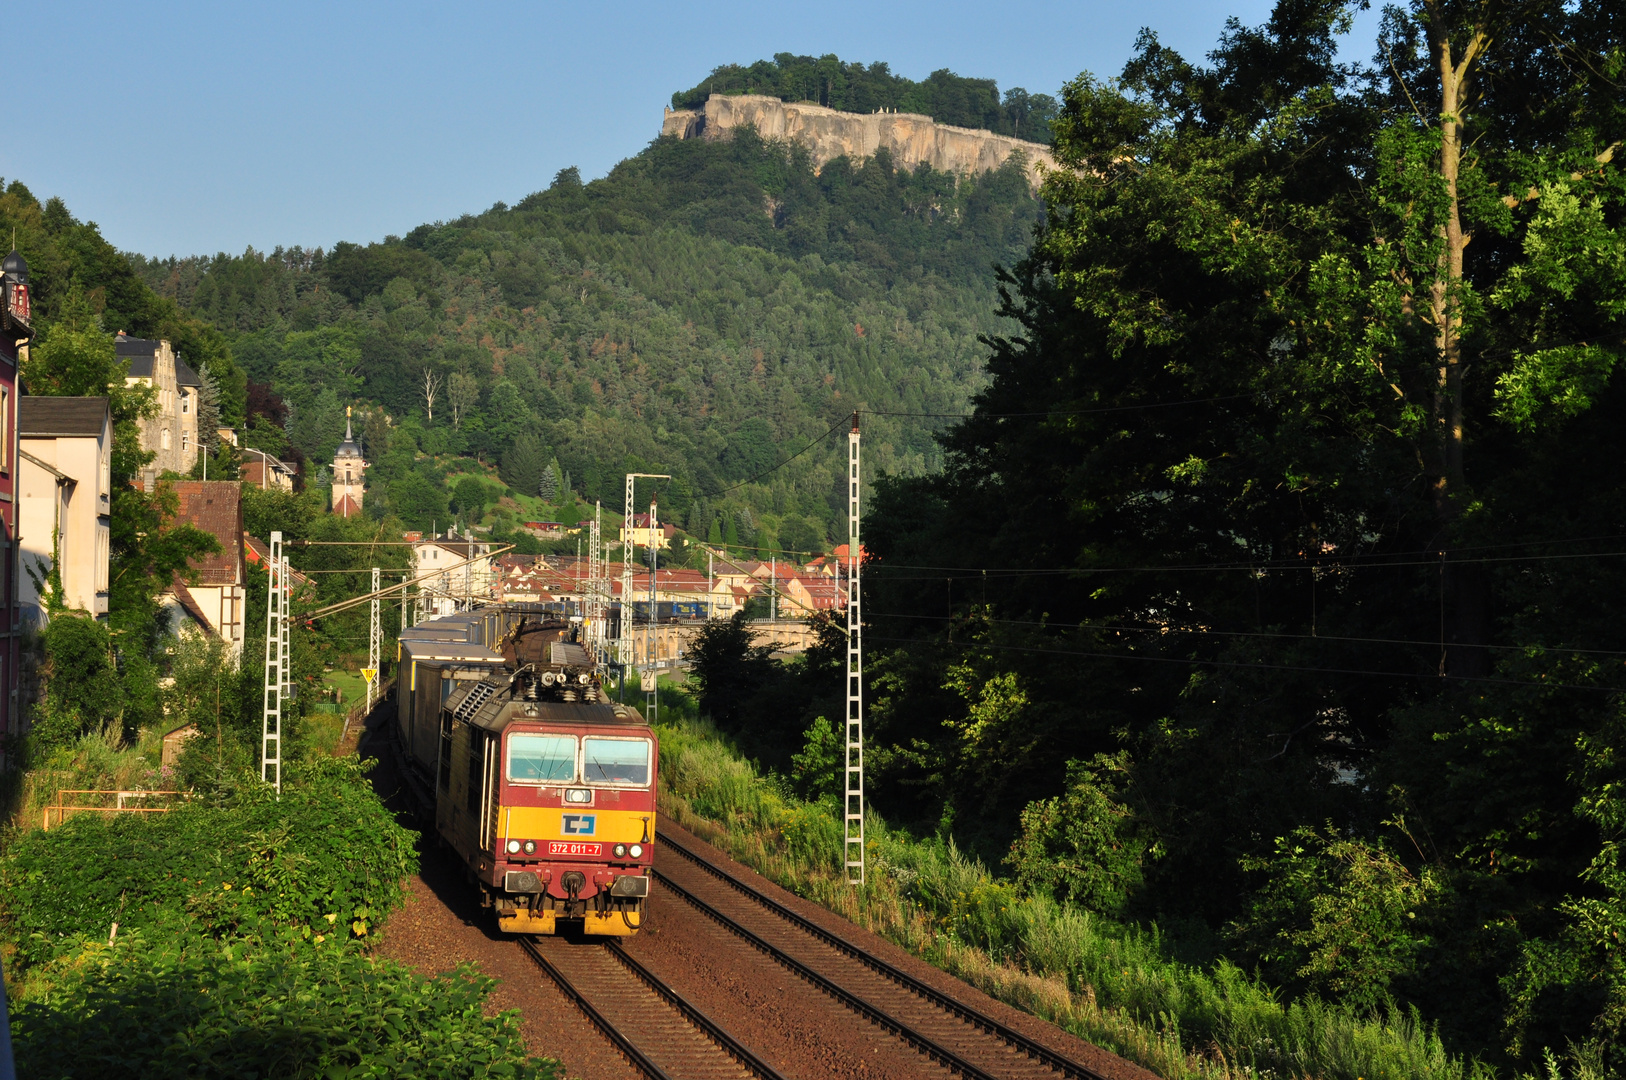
[829, 134]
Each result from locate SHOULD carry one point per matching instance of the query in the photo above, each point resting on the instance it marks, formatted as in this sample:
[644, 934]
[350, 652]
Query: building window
[5, 428]
[186, 402]
[163, 439]
[185, 441]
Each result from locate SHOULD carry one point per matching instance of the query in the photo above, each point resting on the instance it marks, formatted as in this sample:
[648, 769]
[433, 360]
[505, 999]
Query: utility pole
[404, 579]
[773, 588]
[276, 663]
[711, 559]
[853, 812]
[375, 642]
[468, 570]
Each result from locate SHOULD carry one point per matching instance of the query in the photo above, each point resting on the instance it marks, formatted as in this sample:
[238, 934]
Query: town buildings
[172, 433]
[457, 586]
[262, 470]
[64, 472]
[16, 326]
[641, 535]
[216, 602]
[349, 474]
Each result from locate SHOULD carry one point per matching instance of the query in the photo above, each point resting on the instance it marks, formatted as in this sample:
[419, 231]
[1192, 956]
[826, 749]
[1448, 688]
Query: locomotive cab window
[616, 761]
[542, 759]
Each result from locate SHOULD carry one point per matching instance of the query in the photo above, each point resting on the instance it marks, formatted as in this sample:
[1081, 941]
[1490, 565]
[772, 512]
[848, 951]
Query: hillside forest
[1262, 611]
[698, 310]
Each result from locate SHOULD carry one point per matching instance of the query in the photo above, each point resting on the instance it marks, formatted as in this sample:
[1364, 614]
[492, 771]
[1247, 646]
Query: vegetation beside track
[1121, 987]
[230, 938]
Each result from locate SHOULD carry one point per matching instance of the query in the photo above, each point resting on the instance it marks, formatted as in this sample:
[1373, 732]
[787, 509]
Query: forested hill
[704, 310]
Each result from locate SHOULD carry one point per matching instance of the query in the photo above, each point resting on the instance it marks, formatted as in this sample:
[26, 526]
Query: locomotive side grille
[476, 697]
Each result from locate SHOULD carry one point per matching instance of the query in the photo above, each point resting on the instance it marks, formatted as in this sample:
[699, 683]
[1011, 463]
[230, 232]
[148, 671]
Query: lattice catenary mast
[595, 567]
[651, 691]
[276, 663]
[854, 804]
[625, 646]
[375, 643]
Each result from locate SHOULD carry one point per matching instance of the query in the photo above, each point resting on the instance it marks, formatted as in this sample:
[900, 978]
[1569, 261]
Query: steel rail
[634, 1056]
[974, 1017]
[714, 1030]
[637, 1058]
[931, 1048]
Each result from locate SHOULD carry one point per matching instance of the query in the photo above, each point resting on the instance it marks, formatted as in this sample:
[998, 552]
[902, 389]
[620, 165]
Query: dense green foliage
[224, 940]
[1121, 987]
[324, 860]
[1289, 514]
[707, 308]
[944, 96]
[135, 1011]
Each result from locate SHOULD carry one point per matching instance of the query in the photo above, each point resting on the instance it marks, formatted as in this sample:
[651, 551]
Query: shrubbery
[1117, 985]
[228, 940]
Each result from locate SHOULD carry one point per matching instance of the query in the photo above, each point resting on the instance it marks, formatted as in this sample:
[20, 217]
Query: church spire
[348, 437]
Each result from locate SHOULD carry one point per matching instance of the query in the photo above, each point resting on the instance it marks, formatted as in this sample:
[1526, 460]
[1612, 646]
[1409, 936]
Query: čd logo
[579, 824]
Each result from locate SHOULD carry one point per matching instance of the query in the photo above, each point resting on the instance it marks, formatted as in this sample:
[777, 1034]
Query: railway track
[661, 1034]
[954, 1034]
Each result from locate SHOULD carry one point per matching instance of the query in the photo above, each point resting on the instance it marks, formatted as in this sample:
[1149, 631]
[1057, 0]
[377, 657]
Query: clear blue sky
[187, 128]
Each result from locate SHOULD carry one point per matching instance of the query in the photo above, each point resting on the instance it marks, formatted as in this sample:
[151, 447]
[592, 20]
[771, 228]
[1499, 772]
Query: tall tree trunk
[1468, 599]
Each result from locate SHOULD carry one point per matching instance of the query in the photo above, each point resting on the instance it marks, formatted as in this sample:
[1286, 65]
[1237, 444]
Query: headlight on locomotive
[584, 678]
[530, 847]
[621, 851]
[637, 851]
[513, 847]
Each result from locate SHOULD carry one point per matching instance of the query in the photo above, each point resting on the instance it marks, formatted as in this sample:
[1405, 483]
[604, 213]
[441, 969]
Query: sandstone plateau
[829, 134]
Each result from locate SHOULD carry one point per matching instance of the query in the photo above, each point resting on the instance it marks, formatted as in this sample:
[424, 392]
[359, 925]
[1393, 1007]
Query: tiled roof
[257, 551]
[134, 346]
[216, 507]
[189, 602]
[47, 416]
[184, 375]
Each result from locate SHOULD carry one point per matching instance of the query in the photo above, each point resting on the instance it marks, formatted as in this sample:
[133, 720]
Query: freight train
[541, 785]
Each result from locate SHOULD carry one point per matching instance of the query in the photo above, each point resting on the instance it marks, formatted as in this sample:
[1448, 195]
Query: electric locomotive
[543, 787]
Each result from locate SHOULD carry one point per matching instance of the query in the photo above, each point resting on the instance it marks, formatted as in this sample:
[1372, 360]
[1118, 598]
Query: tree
[462, 393]
[550, 485]
[419, 503]
[470, 498]
[523, 464]
[430, 388]
[1263, 269]
[726, 666]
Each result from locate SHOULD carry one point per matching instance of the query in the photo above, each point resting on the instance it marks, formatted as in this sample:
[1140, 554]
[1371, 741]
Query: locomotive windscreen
[616, 761]
[542, 758]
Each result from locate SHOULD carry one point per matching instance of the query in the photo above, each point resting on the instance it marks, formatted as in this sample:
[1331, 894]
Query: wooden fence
[63, 808]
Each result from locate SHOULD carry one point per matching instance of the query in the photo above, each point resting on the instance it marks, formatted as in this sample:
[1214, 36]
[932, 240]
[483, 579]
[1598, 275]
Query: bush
[136, 1010]
[1081, 846]
[326, 859]
[1116, 985]
[239, 950]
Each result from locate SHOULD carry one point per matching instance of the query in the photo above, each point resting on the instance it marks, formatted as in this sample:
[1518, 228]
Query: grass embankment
[228, 938]
[1114, 985]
